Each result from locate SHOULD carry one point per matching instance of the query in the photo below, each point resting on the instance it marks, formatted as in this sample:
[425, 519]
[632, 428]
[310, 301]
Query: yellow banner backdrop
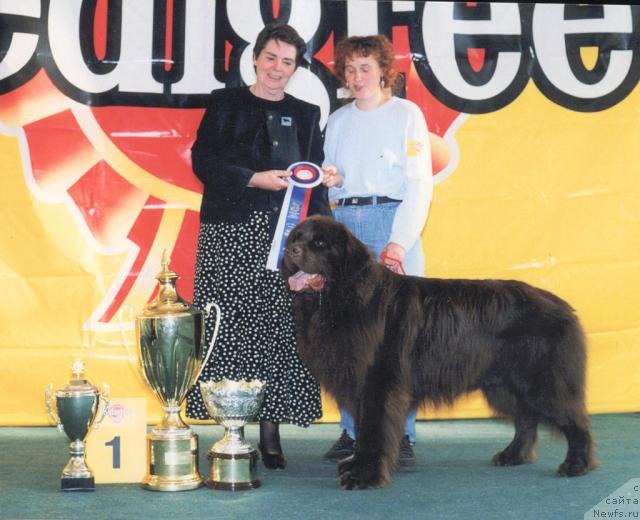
[541, 185]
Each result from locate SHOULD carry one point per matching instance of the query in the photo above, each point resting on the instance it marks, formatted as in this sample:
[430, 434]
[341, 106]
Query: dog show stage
[453, 478]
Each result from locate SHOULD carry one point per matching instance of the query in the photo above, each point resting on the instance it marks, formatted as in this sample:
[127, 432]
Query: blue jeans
[372, 225]
[347, 423]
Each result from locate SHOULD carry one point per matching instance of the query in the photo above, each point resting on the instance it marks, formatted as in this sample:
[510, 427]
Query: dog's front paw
[361, 474]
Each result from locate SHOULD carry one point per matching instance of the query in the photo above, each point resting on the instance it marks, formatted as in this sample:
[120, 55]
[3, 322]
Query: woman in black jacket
[246, 140]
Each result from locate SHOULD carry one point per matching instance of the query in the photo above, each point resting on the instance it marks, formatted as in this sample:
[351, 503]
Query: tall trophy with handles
[170, 338]
[75, 408]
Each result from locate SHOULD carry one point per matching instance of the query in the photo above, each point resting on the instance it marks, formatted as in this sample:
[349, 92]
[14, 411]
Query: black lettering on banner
[389, 16]
[168, 69]
[333, 22]
[441, 46]
[560, 31]
[19, 39]
[106, 63]
[473, 57]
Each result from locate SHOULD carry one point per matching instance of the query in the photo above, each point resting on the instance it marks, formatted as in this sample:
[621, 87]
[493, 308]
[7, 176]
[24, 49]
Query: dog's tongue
[302, 280]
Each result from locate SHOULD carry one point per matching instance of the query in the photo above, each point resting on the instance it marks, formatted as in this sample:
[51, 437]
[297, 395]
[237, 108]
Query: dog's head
[322, 251]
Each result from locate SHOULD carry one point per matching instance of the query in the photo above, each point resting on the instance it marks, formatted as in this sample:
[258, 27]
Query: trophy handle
[48, 399]
[105, 396]
[125, 342]
[207, 311]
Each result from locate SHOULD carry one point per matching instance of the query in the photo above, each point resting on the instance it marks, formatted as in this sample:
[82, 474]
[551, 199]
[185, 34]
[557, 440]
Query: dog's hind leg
[581, 451]
[566, 405]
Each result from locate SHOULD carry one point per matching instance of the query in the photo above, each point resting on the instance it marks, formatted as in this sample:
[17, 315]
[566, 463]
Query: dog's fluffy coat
[381, 343]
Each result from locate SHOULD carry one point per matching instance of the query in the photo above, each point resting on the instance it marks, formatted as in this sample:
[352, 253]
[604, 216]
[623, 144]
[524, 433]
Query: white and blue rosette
[304, 176]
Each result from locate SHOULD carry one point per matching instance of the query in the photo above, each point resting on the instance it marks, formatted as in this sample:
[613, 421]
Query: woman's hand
[392, 257]
[272, 180]
[331, 178]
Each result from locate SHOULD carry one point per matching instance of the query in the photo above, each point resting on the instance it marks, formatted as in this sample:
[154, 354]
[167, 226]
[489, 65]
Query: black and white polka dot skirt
[256, 338]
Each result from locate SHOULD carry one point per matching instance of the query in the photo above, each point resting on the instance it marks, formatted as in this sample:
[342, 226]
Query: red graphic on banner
[117, 207]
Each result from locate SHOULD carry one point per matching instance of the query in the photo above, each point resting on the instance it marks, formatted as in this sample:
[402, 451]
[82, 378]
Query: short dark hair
[375, 45]
[283, 33]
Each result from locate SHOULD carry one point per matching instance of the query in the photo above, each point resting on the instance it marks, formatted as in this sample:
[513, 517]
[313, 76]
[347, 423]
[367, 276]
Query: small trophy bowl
[233, 460]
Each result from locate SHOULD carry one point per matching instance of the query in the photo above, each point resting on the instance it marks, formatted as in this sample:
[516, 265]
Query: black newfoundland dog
[380, 343]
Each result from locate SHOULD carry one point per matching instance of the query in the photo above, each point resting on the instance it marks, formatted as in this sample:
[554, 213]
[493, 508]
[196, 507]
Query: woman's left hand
[331, 177]
[392, 256]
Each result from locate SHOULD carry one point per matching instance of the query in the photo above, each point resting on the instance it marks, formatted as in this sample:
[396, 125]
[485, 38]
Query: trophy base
[155, 483]
[233, 486]
[173, 463]
[233, 472]
[77, 484]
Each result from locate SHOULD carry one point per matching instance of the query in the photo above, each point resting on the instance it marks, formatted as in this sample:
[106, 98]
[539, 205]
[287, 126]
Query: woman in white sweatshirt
[378, 168]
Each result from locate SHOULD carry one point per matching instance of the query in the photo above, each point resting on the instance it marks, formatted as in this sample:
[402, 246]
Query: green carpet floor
[453, 479]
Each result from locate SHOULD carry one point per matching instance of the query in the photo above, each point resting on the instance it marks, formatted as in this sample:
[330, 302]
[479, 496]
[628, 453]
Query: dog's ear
[356, 257]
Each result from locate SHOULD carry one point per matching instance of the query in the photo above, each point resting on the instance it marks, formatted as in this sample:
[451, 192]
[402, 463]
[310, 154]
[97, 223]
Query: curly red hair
[375, 45]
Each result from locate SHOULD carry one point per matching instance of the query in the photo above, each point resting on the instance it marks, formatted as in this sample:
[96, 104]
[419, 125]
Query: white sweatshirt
[384, 152]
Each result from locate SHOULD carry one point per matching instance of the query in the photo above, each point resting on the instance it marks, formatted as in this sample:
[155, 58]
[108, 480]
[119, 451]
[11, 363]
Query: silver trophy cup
[233, 460]
[77, 405]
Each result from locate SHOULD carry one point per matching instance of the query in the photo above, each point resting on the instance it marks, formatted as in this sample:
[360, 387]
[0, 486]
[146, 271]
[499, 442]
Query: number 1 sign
[117, 447]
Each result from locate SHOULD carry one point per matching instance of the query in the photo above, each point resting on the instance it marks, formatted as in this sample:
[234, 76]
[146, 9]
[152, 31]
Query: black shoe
[343, 448]
[269, 446]
[272, 460]
[407, 460]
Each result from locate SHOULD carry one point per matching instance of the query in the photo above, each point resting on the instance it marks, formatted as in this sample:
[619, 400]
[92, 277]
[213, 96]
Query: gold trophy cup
[233, 460]
[170, 338]
[77, 405]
